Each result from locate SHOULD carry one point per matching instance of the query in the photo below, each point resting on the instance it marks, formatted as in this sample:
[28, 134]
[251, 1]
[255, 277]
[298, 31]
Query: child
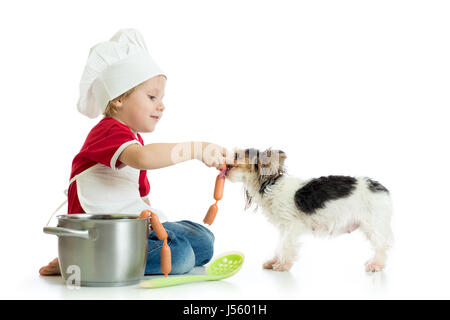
[108, 175]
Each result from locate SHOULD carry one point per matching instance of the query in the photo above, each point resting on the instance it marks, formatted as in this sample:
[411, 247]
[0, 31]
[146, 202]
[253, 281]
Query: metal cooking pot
[106, 250]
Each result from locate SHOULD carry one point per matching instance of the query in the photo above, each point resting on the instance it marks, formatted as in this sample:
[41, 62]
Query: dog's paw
[374, 266]
[269, 263]
[285, 266]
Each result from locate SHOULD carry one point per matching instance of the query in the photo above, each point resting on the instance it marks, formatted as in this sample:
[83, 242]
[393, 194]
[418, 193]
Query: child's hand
[214, 155]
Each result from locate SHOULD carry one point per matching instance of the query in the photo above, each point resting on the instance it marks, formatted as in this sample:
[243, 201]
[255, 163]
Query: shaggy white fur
[364, 209]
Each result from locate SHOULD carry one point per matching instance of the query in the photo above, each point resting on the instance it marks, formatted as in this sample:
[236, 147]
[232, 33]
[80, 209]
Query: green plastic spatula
[223, 266]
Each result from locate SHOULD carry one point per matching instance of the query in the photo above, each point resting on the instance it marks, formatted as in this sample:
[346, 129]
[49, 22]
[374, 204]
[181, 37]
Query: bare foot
[52, 269]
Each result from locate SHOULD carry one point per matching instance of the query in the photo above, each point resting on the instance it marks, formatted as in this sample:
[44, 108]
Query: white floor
[326, 269]
[418, 264]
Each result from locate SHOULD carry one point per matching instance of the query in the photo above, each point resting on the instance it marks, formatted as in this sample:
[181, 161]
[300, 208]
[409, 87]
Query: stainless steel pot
[106, 250]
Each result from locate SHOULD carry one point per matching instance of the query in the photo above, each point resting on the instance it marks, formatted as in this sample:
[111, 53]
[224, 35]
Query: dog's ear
[282, 157]
[271, 163]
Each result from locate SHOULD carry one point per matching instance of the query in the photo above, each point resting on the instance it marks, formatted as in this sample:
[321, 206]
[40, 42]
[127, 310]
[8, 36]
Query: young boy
[121, 81]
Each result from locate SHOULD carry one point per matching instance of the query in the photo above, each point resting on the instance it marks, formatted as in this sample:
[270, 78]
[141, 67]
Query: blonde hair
[111, 109]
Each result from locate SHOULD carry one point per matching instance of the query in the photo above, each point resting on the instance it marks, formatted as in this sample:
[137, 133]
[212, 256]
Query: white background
[343, 87]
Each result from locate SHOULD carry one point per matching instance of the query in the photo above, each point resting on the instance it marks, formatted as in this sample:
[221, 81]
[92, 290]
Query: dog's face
[252, 165]
[257, 168]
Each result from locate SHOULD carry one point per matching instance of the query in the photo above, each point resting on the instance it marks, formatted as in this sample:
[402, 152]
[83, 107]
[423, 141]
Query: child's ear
[117, 104]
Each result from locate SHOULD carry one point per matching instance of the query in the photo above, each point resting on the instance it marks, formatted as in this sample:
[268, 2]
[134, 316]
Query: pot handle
[65, 232]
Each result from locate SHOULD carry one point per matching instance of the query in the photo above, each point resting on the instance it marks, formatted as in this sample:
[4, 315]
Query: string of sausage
[166, 256]
[218, 194]
[161, 234]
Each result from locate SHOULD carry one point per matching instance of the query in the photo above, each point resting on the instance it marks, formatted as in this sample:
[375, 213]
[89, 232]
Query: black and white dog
[324, 206]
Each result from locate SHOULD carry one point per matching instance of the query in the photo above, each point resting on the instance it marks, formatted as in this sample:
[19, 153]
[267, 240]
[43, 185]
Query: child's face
[143, 108]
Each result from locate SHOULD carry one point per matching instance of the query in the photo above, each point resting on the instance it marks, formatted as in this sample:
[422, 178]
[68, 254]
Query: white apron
[102, 190]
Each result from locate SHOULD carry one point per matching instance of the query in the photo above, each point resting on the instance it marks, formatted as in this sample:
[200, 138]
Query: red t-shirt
[103, 145]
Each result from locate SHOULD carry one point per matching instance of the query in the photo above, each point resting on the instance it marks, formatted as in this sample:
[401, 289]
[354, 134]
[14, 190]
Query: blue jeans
[191, 245]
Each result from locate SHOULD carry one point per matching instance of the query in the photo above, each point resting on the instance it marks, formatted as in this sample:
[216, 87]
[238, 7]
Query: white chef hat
[112, 68]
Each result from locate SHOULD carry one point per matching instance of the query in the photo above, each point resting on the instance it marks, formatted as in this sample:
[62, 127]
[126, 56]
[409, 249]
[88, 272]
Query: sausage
[166, 259]
[144, 214]
[218, 189]
[218, 194]
[211, 215]
[166, 255]
[156, 224]
[158, 227]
